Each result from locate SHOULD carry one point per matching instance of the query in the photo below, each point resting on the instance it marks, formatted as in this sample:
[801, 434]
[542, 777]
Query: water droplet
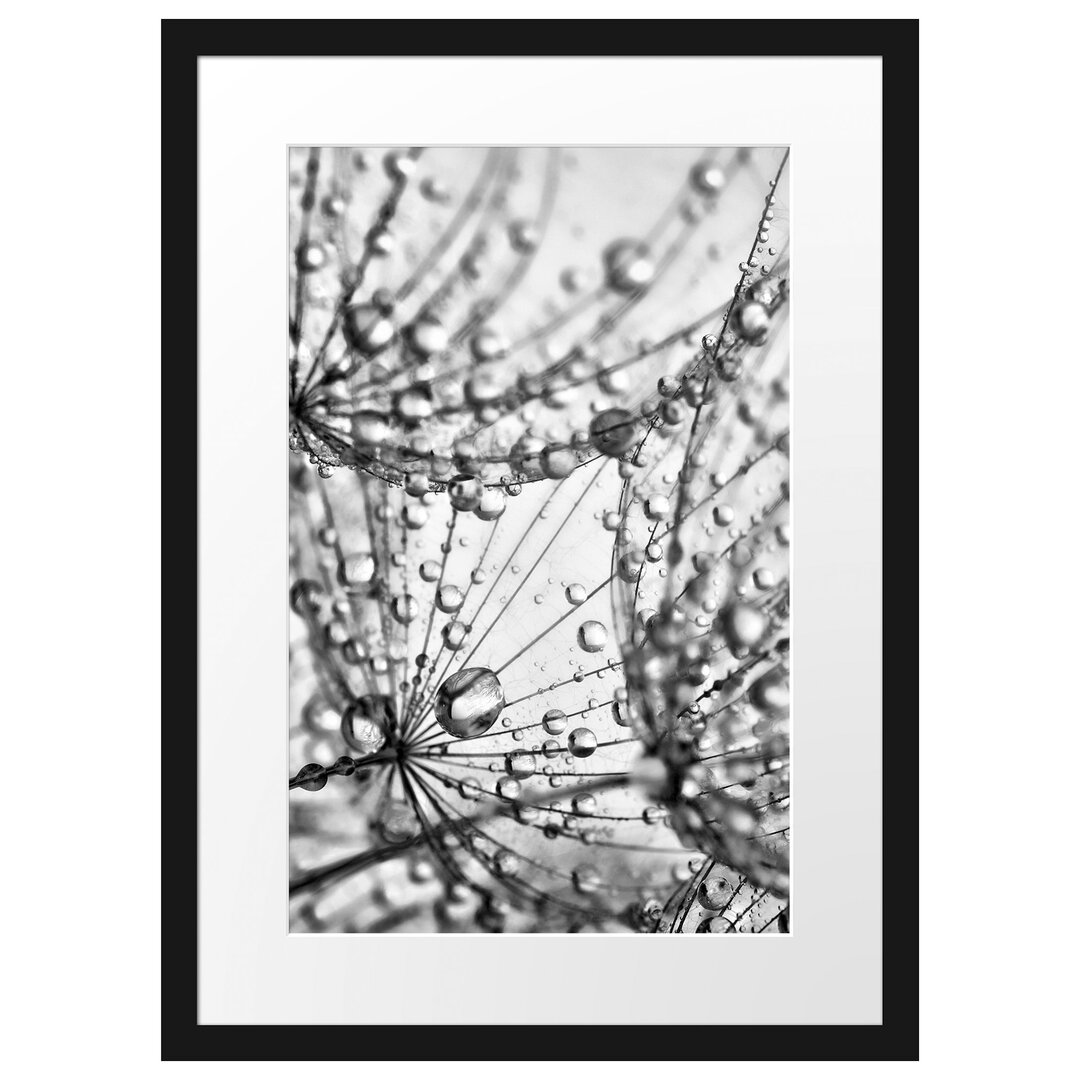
[554, 721]
[469, 702]
[707, 177]
[592, 636]
[449, 598]
[613, 432]
[581, 742]
[405, 608]
[628, 267]
[465, 492]
[367, 329]
[576, 594]
[355, 570]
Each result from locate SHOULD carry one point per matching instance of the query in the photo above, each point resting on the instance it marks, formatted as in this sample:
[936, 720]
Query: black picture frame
[182, 43]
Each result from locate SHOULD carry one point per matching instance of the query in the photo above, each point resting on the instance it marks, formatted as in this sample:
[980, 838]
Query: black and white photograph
[539, 536]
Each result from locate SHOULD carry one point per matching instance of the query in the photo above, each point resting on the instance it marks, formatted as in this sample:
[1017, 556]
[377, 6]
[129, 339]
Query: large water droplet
[357, 569]
[627, 266]
[469, 702]
[592, 636]
[613, 431]
[367, 329]
[465, 492]
[581, 742]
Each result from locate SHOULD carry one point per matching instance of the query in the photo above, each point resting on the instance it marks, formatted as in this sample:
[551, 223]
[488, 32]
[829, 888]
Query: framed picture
[526, 656]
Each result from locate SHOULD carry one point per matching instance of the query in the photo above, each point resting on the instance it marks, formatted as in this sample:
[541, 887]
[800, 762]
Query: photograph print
[538, 539]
